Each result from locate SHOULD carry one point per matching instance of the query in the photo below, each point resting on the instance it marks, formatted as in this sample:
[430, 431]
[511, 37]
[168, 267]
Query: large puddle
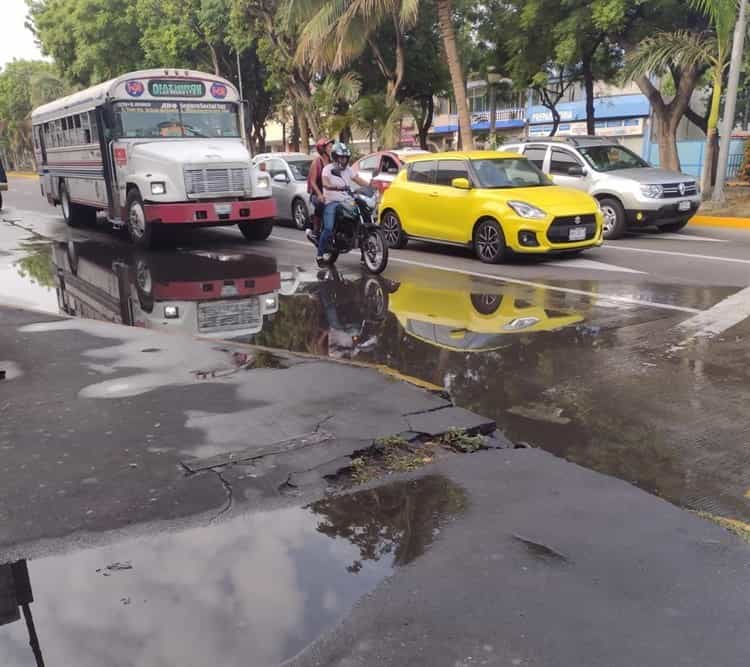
[253, 590]
[559, 368]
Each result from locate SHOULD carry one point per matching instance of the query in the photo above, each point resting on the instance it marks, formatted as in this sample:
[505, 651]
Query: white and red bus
[152, 149]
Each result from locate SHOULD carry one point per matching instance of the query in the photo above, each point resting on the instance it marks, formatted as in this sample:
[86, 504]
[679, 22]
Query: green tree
[692, 51]
[90, 40]
[24, 85]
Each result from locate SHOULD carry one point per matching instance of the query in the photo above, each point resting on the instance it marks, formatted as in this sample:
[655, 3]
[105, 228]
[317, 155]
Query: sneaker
[327, 257]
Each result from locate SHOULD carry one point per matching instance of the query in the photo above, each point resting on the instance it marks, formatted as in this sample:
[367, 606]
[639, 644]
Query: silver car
[631, 193]
[288, 173]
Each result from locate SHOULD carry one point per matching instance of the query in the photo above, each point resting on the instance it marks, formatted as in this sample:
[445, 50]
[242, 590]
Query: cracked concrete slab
[436, 422]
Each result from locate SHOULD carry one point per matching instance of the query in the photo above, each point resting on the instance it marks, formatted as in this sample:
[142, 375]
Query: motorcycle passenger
[315, 185]
[337, 182]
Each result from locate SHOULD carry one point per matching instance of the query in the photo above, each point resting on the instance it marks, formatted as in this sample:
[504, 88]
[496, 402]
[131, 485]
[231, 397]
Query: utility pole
[730, 104]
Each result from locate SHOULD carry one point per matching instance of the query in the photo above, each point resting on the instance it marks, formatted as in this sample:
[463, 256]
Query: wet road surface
[631, 361]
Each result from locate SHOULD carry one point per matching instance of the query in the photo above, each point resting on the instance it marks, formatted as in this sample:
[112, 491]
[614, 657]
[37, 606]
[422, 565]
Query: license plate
[577, 234]
[684, 206]
[223, 209]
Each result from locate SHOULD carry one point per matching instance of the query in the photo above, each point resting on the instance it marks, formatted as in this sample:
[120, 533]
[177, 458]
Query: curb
[22, 174]
[720, 221]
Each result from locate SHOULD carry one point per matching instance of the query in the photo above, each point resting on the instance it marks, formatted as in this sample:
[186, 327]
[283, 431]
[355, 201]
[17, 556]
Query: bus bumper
[211, 213]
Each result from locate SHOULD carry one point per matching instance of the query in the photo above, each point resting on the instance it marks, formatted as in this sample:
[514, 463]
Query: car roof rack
[578, 140]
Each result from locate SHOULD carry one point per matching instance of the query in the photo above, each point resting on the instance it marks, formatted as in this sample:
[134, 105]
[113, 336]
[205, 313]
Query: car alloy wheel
[489, 242]
[299, 214]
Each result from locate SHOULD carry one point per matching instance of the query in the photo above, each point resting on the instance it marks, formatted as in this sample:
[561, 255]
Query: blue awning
[479, 127]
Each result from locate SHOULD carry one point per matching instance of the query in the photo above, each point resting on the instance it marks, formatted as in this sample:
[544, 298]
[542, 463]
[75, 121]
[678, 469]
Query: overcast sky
[15, 40]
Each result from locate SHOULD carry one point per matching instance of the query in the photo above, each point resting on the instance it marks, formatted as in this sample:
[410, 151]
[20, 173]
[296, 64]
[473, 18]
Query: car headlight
[158, 188]
[527, 210]
[652, 191]
[521, 323]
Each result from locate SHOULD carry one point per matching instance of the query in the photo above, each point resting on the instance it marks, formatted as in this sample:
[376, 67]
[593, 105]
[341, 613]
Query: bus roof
[92, 97]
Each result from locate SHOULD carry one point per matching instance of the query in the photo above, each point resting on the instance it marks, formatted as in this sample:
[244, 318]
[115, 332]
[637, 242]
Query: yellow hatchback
[490, 201]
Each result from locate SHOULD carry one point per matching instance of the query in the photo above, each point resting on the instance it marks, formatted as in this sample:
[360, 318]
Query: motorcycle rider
[315, 185]
[337, 182]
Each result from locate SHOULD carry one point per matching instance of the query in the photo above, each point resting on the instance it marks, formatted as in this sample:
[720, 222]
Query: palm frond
[721, 13]
[655, 54]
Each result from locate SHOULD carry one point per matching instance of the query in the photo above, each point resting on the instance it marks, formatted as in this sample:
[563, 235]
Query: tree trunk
[666, 137]
[295, 130]
[214, 60]
[588, 84]
[304, 133]
[555, 120]
[448, 33]
[425, 122]
[712, 139]
[370, 136]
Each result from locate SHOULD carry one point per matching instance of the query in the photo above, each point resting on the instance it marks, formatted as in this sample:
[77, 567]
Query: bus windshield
[156, 120]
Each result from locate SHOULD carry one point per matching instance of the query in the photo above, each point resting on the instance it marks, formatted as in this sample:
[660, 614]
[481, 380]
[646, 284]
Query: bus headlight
[264, 182]
[171, 312]
[158, 188]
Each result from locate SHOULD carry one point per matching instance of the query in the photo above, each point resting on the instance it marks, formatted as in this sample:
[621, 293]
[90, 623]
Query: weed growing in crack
[461, 441]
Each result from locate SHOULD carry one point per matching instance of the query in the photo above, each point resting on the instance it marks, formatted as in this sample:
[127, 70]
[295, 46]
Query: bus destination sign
[176, 88]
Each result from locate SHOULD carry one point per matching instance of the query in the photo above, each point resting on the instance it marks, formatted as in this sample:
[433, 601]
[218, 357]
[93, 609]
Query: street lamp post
[727, 124]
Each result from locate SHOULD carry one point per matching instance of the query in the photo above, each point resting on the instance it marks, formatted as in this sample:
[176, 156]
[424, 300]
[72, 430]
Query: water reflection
[251, 591]
[215, 294]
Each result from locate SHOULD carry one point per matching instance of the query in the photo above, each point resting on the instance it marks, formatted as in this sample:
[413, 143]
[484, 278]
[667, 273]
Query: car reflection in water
[212, 293]
[333, 314]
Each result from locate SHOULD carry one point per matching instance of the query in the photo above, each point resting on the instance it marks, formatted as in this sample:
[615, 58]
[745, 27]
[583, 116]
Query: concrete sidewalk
[104, 426]
[553, 565]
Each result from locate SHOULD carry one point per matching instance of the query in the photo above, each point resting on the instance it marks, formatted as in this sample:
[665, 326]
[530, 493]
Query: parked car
[288, 173]
[3, 183]
[379, 169]
[631, 192]
[493, 202]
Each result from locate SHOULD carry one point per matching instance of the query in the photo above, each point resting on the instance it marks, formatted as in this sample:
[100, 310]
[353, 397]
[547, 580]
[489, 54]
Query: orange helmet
[322, 143]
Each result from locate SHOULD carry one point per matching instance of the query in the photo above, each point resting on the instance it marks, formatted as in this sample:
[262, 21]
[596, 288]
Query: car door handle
[434, 194]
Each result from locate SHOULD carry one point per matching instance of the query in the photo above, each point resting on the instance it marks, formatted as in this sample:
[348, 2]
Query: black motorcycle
[354, 227]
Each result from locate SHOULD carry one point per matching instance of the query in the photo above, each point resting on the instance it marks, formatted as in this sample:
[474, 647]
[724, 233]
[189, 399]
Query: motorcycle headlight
[652, 191]
[527, 210]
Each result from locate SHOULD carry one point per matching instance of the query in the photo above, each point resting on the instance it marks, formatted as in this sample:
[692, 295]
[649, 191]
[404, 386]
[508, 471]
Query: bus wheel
[69, 209]
[256, 231]
[142, 233]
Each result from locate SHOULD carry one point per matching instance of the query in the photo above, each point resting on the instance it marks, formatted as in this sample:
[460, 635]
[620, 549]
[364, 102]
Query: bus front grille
[215, 181]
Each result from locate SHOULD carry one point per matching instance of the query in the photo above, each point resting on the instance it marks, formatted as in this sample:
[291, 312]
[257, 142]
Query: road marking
[517, 281]
[687, 237]
[717, 319]
[711, 258]
[591, 265]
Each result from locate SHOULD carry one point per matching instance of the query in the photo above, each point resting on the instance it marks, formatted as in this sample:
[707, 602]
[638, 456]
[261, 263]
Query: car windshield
[155, 120]
[498, 173]
[300, 169]
[611, 158]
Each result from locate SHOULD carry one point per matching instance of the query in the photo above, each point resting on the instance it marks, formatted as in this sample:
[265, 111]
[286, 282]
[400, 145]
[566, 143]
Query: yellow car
[490, 201]
[456, 319]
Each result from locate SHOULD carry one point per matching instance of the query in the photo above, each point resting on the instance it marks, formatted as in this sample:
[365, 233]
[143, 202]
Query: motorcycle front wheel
[375, 250]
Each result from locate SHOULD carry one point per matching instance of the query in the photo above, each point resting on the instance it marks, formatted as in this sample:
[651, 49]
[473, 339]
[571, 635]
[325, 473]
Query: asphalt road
[630, 361]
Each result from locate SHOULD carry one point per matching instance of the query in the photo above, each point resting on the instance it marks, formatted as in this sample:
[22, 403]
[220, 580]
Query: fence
[691, 156]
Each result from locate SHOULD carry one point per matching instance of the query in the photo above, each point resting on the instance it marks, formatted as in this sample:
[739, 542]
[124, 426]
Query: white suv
[630, 191]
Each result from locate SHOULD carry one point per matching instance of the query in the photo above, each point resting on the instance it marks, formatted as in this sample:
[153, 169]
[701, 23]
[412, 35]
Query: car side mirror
[281, 178]
[461, 183]
[576, 170]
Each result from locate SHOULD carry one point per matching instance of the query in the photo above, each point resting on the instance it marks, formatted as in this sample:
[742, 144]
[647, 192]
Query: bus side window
[85, 128]
[94, 128]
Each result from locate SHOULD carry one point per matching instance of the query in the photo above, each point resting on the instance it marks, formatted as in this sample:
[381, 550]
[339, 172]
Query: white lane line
[517, 281]
[717, 319]
[591, 265]
[686, 237]
[711, 258]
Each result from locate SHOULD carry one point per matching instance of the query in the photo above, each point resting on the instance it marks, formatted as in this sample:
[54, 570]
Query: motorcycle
[355, 227]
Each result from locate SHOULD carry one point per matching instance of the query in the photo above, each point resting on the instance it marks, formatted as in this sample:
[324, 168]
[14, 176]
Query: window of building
[535, 154]
[450, 169]
[561, 161]
[478, 100]
[422, 172]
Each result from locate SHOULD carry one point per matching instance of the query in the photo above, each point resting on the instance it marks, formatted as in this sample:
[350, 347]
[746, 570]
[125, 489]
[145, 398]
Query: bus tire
[142, 233]
[72, 213]
[259, 230]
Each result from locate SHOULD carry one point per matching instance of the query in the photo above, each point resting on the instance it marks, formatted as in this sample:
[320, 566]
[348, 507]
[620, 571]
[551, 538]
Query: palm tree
[691, 51]
[338, 31]
[448, 33]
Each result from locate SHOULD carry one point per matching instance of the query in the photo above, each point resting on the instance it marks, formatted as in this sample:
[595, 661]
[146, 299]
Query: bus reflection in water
[211, 293]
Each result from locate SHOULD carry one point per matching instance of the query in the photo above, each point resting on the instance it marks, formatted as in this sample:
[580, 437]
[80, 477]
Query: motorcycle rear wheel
[375, 251]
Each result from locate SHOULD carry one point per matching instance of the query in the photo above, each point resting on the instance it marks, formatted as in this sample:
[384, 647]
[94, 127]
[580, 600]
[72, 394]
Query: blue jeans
[329, 218]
